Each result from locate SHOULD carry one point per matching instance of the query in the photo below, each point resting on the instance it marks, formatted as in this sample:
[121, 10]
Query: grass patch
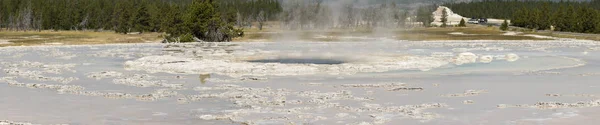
[272, 33]
[473, 32]
[73, 38]
[585, 36]
[469, 33]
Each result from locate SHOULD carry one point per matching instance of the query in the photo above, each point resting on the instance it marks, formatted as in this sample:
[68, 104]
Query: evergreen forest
[568, 16]
[208, 20]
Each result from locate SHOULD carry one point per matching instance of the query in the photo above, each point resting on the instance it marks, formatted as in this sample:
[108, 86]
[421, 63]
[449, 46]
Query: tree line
[569, 16]
[424, 14]
[208, 20]
[248, 11]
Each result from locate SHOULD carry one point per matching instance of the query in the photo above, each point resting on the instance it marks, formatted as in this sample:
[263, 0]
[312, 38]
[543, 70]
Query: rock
[158, 94]
[144, 80]
[486, 59]
[313, 84]
[252, 79]
[208, 117]
[557, 105]
[382, 85]
[512, 57]
[104, 74]
[468, 102]
[16, 70]
[466, 93]
[182, 100]
[406, 89]
[502, 106]
[553, 95]
[7, 122]
[465, 58]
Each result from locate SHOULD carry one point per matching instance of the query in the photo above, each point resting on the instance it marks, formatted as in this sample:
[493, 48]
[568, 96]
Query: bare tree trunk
[26, 20]
[238, 19]
[261, 19]
[249, 21]
[40, 22]
[9, 23]
[84, 22]
[1, 23]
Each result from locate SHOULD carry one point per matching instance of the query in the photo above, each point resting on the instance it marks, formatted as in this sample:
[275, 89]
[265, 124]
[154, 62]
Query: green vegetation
[504, 26]
[582, 19]
[208, 20]
[424, 14]
[188, 37]
[568, 16]
[244, 12]
[204, 21]
[462, 23]
[505, 9]
[444, 18]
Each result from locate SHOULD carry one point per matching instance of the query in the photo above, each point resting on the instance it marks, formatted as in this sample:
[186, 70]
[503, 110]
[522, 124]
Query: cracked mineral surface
[383, 82]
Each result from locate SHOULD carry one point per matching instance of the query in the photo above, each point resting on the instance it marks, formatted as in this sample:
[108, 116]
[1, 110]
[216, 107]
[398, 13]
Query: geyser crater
[321, 61]
[304, 58]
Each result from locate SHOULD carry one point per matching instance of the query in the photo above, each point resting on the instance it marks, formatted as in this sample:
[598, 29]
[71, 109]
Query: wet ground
[371, 82]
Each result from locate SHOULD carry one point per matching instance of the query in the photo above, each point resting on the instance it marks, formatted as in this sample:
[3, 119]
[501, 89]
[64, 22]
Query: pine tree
[462, 23]
[202, 18]
[206, 23]
[119, 15]
[577, 22]
[588, 16]
[141, 19]
[597, 25]
[597, 20]
[536, 19]
[571, 19]
[521, 18]
[444, 18]
[173, 23]
[122, 17]
[123, 26]
[123, 21]
[544, 19]
[560, 19]
[156, 15]
[504, 26]
[424, 15]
